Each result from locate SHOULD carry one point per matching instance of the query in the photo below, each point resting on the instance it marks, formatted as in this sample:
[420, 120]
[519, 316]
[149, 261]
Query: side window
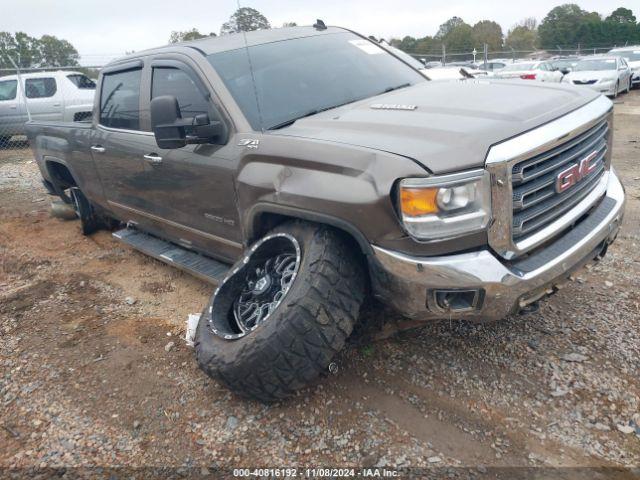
[120, 100]
[82, 81]
[172, 81]
[40, 87]
[8, 89]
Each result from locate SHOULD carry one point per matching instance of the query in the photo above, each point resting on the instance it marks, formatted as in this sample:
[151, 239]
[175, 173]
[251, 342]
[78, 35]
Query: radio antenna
[253, 78]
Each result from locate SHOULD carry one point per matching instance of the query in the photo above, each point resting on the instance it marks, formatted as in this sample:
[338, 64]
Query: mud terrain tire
[297, 342]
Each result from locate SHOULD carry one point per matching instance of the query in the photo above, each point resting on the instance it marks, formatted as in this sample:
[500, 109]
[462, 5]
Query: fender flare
[251, 222]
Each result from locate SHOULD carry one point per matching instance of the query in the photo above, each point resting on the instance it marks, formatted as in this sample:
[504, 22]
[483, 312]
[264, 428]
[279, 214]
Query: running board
[198, 265]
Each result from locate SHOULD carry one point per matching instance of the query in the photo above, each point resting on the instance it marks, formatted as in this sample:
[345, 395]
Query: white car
[607, 75]
[539, 71]
[61, 95]
[632, 57]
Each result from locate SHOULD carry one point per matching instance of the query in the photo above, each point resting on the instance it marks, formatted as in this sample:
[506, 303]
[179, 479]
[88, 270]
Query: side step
[198, 265]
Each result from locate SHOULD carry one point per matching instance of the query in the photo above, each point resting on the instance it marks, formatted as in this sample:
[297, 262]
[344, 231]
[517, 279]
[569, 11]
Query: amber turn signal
[415, 202]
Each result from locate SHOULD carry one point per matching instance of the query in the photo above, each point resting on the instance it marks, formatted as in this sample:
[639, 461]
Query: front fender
[345, 186]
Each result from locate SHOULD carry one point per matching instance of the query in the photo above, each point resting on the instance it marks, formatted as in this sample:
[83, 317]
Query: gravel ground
[94, 370]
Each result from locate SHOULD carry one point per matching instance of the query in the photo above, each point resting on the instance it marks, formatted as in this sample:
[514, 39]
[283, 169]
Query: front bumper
[409, 284]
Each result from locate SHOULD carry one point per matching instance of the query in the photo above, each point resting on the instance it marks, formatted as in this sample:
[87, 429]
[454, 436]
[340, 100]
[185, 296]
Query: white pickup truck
[62, 95]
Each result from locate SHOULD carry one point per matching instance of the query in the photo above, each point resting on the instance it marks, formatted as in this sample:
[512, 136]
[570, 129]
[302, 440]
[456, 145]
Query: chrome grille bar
[528, 208]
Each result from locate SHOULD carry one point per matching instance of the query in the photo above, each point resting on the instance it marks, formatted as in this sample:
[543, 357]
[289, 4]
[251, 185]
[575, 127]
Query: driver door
[189, 191]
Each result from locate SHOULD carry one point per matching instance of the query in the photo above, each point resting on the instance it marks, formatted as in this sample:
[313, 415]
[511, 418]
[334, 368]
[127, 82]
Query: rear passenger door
[119, 142]
[44, 98]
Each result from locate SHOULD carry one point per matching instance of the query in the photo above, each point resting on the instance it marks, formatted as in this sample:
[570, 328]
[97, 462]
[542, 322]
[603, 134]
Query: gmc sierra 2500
[328, 169]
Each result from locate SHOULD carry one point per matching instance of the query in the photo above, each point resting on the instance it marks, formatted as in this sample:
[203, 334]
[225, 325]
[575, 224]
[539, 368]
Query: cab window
[120, 100]
[176, 82]
[40, 87]
[8, 89]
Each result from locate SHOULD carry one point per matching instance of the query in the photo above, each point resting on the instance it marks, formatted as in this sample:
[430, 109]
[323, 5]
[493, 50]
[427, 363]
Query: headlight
[607, 80]
[445, 206]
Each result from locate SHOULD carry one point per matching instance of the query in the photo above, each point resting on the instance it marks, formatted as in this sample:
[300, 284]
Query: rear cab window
[8, 90]
[82, 81]
[40, 87]
[120, 100]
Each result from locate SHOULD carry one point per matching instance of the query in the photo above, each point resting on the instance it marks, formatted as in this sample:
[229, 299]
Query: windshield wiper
[308, 114]
[397, 87]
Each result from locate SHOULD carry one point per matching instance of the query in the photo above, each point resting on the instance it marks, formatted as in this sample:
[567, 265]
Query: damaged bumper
[480, 285]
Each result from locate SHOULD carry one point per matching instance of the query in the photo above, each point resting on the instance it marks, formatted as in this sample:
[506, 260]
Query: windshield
[596, 64]
[417, 64]
[563, 63]
[630, 55]
[518, 67]
[298, 77]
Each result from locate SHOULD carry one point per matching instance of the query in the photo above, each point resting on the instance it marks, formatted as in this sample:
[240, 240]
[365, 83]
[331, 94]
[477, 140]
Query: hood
[586, 75]
[454, 122]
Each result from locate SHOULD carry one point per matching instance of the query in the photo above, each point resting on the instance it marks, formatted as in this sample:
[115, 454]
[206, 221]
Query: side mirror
[173, 131]
[564, 71]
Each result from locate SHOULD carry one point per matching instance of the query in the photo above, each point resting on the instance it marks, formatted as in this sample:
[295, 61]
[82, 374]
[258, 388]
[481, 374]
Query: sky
[103, 30]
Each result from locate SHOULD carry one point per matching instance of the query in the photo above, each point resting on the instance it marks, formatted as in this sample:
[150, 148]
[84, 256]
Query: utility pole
[486, 55]
[444, 54]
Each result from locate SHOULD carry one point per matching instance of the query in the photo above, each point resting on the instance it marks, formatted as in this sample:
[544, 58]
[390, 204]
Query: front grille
[536, 203]
[584, 82]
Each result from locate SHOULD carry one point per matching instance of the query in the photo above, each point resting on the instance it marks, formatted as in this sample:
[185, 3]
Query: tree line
[29, 52]
[564, 26]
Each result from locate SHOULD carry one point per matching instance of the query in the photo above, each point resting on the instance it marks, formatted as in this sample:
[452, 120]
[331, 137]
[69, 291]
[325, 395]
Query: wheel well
[60, 175]
[263, 222]
[61, 179]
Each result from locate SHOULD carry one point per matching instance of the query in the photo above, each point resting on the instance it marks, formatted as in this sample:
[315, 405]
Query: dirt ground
[95, 371]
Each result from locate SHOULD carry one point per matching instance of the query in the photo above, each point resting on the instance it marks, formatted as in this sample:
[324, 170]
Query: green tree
[523, 36]
[567, 25]
[488, 32]
[448, 26]
[27, 51]
[620, 27]
[54, 52]
[245, 19]
[188, 35]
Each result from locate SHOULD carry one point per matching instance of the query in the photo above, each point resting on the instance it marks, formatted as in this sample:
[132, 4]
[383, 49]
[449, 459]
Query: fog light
[457, 300]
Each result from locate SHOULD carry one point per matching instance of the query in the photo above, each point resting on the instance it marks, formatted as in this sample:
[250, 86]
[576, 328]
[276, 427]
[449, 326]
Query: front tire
[298, 339]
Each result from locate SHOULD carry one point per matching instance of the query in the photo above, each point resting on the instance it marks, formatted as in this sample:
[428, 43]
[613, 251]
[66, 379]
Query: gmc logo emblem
[576, 172]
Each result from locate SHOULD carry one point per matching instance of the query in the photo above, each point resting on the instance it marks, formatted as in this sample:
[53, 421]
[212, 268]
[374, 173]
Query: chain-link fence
[48, 94]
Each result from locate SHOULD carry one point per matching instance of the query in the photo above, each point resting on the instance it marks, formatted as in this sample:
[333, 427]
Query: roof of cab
[234, 41]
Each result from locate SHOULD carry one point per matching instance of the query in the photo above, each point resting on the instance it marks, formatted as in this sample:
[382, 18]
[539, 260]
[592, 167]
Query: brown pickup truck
[304, 170]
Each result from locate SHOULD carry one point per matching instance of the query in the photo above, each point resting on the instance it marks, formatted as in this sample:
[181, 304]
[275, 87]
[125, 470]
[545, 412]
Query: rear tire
[629, 86]
[296, 341]
[4, 141]
[90, 220]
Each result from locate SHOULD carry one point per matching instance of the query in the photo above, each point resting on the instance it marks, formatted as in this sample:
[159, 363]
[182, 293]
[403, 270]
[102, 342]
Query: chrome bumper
[408, 283]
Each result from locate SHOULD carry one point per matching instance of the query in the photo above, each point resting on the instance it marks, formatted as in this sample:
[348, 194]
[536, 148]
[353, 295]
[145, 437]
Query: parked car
[539, 71]
[61, 95]
[632, 57]
[492, 66]
[607, 75]
[564, 65]
[299, 189]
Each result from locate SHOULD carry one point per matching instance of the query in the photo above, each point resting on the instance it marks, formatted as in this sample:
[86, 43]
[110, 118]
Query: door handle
[98, 148]
[153, 158]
